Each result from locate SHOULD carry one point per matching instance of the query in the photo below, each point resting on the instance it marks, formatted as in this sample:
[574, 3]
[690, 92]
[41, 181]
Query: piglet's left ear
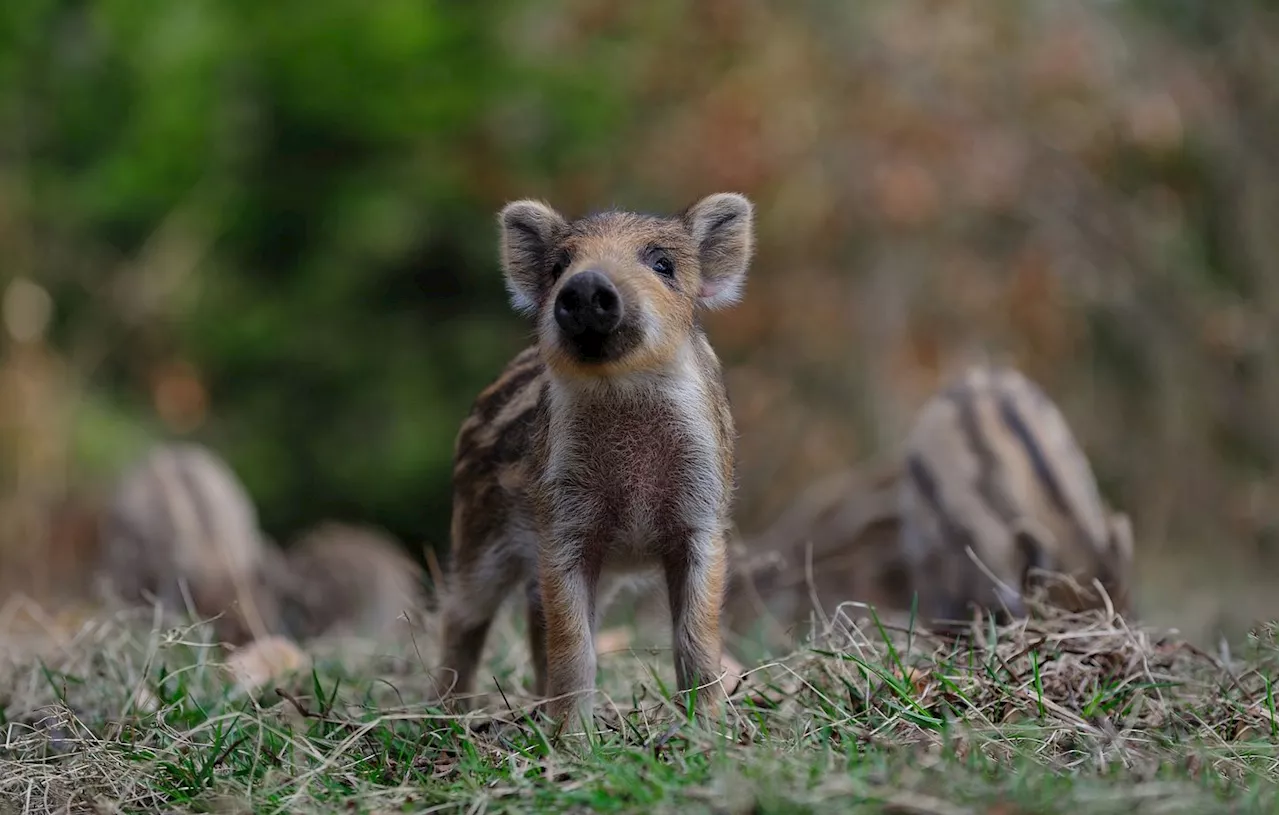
[722, 227]
[528, 232]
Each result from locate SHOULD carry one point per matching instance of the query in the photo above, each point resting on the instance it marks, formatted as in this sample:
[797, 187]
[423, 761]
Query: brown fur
[603, 458]
[991, 465]
[182, 517]
[837, 543]
[344, 578]
[237, 621]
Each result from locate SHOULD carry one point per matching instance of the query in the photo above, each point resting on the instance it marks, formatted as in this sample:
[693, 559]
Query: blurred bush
[270, 227]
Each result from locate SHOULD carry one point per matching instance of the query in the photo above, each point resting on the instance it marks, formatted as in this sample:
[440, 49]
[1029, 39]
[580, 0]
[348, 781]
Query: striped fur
[583, 465]
[181, 518]
[992, 468]
[836, 544]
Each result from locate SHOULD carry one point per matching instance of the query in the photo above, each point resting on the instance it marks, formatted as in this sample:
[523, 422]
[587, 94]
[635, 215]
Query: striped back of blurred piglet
[996, 491]
[181, 525]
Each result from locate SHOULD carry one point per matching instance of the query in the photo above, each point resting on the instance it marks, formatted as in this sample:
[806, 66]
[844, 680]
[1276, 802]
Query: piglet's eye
[663, 266]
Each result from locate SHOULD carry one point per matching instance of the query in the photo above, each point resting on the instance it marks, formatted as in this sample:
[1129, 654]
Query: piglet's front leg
[695, 572]
[568, 588]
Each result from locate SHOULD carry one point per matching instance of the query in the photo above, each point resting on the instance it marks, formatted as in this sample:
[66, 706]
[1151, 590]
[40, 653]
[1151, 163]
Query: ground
[1084, 714]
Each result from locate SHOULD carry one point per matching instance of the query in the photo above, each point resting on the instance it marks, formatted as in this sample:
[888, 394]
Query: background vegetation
[269, 227]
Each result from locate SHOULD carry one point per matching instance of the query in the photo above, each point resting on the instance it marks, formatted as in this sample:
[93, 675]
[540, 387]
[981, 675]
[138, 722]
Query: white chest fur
[634, 463]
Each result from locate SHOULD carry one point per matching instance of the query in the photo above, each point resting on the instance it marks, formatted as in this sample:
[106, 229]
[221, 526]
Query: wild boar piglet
[604, 449]
[996, 492]
[342, 578]
[180, 516]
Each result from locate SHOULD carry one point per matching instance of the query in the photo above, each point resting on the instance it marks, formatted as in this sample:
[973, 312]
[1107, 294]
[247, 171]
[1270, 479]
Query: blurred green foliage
[327, 168]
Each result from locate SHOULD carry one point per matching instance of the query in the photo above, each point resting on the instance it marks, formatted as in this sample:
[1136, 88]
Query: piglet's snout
[588, 304]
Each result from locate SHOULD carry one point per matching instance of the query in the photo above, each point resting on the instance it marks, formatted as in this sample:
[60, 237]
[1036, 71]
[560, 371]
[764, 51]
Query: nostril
[605, 300]
[568, 311]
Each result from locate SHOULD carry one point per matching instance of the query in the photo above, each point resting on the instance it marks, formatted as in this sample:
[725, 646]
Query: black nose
[588, 302]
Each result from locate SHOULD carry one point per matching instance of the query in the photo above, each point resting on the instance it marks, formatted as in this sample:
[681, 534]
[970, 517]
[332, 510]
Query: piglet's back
[992, 465]
[347, 578]
[179, 513]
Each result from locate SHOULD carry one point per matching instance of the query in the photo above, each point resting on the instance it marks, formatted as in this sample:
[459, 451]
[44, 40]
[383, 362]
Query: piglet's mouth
[589, 346]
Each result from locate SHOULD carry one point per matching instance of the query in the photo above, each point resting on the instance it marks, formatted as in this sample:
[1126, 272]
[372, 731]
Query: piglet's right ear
[529, 231]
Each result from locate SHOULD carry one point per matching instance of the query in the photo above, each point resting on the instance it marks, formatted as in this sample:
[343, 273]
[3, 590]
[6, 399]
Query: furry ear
[529, 232]
[722, 227]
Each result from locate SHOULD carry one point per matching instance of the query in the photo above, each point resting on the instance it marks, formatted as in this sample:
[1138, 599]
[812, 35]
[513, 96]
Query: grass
[1066, 714]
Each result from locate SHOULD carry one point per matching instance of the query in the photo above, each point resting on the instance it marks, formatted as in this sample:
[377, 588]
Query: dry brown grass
[1050, 715]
